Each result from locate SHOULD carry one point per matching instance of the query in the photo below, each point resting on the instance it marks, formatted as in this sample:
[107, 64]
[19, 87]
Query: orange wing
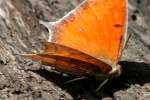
[88, 40]
[71, 61]
[96, 27]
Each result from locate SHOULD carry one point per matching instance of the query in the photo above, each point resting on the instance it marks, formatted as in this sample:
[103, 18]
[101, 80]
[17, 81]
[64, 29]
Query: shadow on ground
[133, 73]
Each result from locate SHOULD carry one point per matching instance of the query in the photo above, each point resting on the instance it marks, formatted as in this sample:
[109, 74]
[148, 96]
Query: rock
[24, 79]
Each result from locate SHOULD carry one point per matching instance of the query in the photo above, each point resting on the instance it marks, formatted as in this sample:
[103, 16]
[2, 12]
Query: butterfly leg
[115, 72]
[102, 84]
[76, 79]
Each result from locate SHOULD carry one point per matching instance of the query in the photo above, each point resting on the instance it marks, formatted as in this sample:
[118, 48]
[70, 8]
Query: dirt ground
[24, 79]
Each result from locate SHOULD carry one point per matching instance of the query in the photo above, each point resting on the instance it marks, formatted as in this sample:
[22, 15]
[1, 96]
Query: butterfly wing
[69, 60]
[88, 40]
[96, 27]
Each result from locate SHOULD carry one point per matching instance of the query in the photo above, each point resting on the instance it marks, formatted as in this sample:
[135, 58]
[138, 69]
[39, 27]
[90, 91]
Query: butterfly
[88, 41]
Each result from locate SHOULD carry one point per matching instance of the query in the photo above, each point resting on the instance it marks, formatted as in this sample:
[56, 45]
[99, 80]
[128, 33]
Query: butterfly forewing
[96, 27]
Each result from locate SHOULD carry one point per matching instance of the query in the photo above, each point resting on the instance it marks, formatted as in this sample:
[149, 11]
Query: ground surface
[23, 79]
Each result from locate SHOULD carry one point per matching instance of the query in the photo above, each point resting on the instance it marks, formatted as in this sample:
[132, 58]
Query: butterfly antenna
[102, 84]
[128, 38]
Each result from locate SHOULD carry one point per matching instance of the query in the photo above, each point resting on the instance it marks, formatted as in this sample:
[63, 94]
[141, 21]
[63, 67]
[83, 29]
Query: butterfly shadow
[133, 73]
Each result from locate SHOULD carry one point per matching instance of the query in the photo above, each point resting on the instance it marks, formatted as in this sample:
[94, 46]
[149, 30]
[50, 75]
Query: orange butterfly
[88, 41]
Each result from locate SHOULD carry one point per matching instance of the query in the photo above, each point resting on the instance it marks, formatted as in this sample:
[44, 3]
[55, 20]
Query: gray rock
[24, 79]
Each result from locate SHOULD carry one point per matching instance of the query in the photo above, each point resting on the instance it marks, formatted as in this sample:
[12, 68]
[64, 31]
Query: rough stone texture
[24, 79]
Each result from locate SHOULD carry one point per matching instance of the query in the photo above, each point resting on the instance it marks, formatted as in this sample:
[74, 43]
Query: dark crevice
[17, 92]
[134, 17]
